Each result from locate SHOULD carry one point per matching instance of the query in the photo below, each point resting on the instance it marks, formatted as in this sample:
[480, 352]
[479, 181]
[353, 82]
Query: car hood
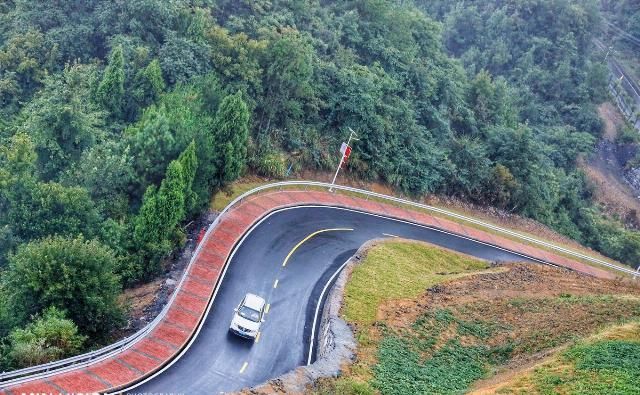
[245, 323]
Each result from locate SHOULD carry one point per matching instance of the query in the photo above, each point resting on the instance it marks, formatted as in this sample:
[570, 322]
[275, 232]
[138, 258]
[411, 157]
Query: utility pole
[345, 151]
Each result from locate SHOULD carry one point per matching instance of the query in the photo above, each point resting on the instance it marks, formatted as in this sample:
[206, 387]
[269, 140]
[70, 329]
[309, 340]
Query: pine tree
[156, 226]
[148, 84]
[153, 77]
[111, 89]
[147, 225]
[231, 132]
[189, 161]
[171, 197]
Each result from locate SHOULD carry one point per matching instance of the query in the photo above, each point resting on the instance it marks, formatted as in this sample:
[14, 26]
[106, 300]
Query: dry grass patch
[225, 196]
[400, 270]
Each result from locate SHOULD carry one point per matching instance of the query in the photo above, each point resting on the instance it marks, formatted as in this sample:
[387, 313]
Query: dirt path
[605, 172]
[492, 384]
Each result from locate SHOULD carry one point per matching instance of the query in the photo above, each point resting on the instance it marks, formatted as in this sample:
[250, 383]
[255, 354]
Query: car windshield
[249, 313]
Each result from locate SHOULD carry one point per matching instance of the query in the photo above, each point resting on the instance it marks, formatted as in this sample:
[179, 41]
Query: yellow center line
[244, 366]
[258, 337]
[275, 285]
[307, 238]
[266, 309]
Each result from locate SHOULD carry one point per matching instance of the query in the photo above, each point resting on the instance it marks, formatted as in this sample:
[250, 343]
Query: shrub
[47, 338]
[73, 275]
[272, 166]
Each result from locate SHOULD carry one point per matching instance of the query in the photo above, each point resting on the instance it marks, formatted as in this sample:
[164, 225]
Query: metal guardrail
[57, 367]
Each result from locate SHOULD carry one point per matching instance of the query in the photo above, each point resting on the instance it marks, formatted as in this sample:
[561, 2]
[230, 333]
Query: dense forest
[622, 33]
[119, 119]
[625, 15]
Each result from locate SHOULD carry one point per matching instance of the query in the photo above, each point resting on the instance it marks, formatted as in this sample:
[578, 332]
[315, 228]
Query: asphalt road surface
[217, 361]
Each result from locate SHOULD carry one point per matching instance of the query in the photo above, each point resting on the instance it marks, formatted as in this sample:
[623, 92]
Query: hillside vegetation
[118, 119]
[459, 324]
[603, 364]
[624, 32]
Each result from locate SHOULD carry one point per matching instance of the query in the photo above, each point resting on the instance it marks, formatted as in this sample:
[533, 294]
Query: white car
[248, 316]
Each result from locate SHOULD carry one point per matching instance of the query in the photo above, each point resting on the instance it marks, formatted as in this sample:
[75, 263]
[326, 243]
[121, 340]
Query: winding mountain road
[284, 245]
[313, 242]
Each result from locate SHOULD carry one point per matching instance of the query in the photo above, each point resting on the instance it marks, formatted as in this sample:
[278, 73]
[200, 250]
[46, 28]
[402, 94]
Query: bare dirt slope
[606, 174]
[519, 281]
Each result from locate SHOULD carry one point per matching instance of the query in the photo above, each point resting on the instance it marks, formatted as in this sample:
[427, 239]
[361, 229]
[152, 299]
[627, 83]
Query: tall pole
[352, 136]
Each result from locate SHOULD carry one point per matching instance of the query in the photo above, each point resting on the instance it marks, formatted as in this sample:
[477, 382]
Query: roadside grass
[576, 248]
[400, 270]
[222, 198]
[421, 361]
[605, 364]
[390, 270]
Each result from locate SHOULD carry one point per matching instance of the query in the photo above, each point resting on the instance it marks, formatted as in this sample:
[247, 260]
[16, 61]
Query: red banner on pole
[347, 152]
[345, 156]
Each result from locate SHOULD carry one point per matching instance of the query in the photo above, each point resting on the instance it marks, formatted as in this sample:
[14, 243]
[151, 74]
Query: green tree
[502, 188]
[182, 59]
[48, 338]
[7, 318]
[491, 101]
[73, 275]
[17, 172]
[63, 119]
[287, 79]
[106, 171]
[151, 243]
[25, 60]
[472, 168]
[483, 98]
[165, 130]
[111, 89]
[41, 209]
[171, 196]
[18, 157]
[236, 58]
[565, 146]
[231, 131]
[156, 229]
[189, 162]
[148, 85]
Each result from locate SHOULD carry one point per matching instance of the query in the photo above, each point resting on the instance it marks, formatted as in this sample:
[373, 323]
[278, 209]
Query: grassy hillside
[458, 322]
[604, 364]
